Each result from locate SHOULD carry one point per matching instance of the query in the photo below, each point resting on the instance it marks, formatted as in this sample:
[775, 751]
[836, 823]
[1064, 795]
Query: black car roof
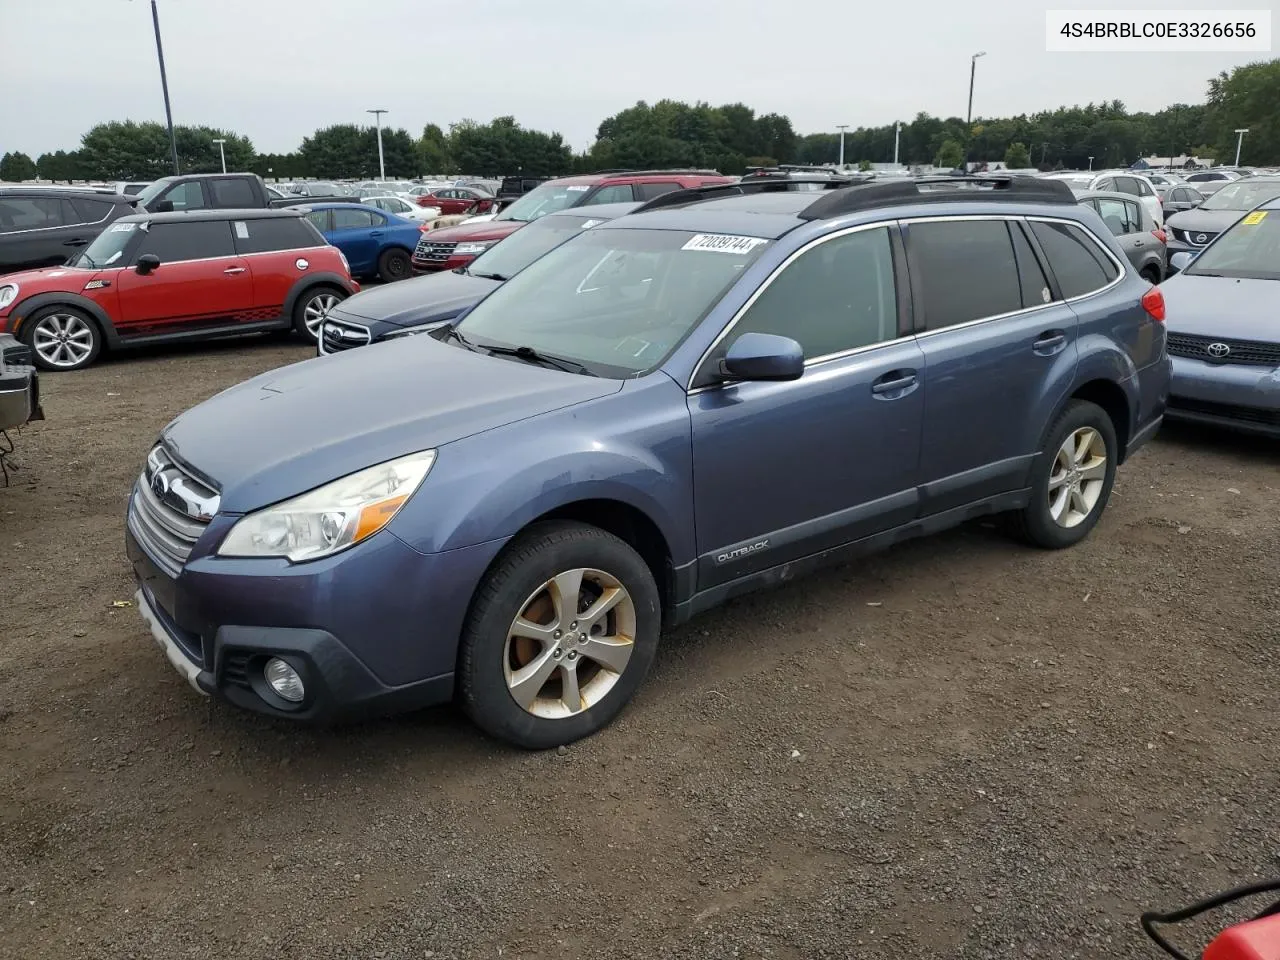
[86, 192]
[190, 216]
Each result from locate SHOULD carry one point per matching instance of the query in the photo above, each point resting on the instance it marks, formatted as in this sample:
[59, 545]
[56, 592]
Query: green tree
[197, 153]
[16, 167]
[502, 147]
[950, 155]
[125, 150]
[433, 148]
[1246, 99]
[60, 166]
[1017, 157]
[864, 165]
[340, 151]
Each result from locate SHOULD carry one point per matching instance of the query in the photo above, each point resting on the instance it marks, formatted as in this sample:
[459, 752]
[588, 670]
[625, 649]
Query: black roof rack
[719, 191]
[678, 171]
[941, 189]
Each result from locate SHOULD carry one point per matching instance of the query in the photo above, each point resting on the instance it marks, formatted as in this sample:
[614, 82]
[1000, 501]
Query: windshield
[616, 301]
[547, 198]
[1243, 195]
[1249, 250]
[107, 249]
[504, 260]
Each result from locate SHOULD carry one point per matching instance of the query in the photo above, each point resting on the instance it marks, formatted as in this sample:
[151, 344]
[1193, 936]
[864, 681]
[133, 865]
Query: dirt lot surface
[962, 748]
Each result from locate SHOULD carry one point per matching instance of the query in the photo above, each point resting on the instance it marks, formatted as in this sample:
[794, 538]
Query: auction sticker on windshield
[1255, 218]
[122, 227]
[722, 243]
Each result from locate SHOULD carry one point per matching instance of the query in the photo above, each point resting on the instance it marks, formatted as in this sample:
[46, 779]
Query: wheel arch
[1115, 403]
[21, 313]
[304, 285]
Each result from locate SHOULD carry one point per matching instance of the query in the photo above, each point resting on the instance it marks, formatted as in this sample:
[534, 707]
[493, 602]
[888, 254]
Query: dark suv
[43, 226]
[716, 393]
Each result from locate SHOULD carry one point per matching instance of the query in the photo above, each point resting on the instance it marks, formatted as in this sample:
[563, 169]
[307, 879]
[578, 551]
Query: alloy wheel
[570, 643]
[317, 309]
[63, 340]
[1078, 476]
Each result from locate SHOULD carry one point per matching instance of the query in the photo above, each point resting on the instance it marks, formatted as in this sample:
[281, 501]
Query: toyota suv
[714, 394]
[454, 247]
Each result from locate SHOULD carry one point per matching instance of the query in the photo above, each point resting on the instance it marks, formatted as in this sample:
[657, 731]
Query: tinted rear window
[233, 193]
[967, 270]
[198, 240]
[31, 213]
[1080, 266]
[274, 233]
[91, 211]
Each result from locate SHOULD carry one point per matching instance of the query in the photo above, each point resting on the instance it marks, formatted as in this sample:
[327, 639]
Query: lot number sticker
[123, 227]
[242, 230]
[1255, 218]
[722, 243]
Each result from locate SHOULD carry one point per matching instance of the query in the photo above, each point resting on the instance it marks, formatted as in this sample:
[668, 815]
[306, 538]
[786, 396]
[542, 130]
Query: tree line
[729, 138]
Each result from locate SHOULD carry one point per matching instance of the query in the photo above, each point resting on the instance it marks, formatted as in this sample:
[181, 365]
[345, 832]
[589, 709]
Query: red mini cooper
[168, 276]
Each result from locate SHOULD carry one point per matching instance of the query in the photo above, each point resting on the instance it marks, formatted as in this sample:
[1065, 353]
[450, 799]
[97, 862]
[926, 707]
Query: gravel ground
[961, 748]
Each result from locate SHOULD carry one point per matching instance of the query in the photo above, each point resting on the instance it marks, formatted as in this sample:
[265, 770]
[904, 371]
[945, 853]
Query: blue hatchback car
[375, 243]
[716, 393]
[1223, 334]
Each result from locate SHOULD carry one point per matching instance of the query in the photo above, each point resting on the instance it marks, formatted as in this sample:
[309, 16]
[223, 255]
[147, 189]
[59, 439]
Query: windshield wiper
[533, 356]
[453, 334]
[489, 276]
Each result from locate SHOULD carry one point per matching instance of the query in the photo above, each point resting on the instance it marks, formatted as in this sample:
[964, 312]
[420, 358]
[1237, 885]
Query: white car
[402, 208]
[1116, 181]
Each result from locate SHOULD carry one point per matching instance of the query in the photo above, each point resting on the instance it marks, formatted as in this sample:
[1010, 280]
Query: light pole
[842, 127]
[1240, 142]
[897, 129]
[973, 69]
[222, 153]
[164, 83]
[382, 167]
[1091, 164]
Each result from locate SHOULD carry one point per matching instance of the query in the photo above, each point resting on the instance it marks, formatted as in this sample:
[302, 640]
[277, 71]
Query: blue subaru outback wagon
[713, 394]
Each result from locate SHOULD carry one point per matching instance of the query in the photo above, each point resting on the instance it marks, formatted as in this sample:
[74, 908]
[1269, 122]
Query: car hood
[62, 279]
[1210, 221]
[1222, 307]
[492, 230]
[408, 303]
[293, 429]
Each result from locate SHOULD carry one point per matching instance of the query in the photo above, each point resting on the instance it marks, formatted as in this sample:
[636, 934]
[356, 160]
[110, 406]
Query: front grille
[17, 355]
[430, 251]
[1229, 411]
[339, 335]
[169, 510]
[1217, 350]
[1197, 238]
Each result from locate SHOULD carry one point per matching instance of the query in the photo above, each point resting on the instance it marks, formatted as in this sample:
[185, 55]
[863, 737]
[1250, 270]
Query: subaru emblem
[1218, 350]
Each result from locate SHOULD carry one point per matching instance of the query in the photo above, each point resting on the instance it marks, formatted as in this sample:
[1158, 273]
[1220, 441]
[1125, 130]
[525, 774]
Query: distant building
[1182, 162]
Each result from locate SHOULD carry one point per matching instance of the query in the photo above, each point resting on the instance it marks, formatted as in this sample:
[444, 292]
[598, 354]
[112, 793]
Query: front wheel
[311, 309]
[62, 338]
[393, 265]
[561, 633]
[1072, 478]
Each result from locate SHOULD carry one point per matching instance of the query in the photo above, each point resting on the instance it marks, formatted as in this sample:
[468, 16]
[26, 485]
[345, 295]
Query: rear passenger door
[355, 235]
[998, 342]
[784, 470]
[272, 247]
[39, 232]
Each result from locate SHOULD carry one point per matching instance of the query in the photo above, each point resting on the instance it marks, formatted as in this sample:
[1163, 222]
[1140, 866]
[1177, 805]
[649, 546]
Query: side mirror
[1181, 260]
[147, 263]
[162, 206]
[763, 356]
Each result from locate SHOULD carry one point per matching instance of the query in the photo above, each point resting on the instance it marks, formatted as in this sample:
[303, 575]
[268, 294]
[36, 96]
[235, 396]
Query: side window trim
[895, 245]
[1121, 268]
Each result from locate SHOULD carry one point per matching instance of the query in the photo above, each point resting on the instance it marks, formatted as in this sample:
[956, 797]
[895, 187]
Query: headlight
[330, 518]
[472, 248]
[8, 294]
[411, 331]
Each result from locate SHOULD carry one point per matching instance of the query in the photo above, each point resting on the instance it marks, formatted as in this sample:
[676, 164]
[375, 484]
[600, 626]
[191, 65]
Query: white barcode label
[722, 243]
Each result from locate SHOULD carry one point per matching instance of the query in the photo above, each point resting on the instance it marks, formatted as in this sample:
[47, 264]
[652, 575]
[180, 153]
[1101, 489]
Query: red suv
[166, 276]
[457, 246]
[453, 200]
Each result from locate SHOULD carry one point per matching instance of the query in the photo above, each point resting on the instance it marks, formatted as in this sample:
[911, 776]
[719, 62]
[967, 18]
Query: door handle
[1139, 242]
[1049, 342]
[376, 233]
[894, 384]
[234, 270]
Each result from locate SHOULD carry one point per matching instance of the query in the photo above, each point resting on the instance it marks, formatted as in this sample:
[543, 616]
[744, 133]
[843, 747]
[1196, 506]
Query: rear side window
[618, 193]
[647, 191]
[91, 211]
[346, 219]
[198, 240]
[967, 270]
[272, 233]
[320, 220]
[1128, 185]
[31, 213]
[1079, 264]
[233, 193]
[1120, 216]
[1031, 278]
[836, 296]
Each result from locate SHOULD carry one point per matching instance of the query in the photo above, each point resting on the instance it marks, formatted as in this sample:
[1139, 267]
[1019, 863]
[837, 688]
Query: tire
[495, 654]
[62, 338]
[1055, 518]
[310, 310]
[393, 265]
[1151, 275]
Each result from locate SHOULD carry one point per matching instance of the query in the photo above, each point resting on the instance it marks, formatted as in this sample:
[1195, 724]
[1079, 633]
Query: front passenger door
[787, 469]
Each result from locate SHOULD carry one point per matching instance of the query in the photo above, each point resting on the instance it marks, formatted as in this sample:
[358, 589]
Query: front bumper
[1235, 396]
[372, 631]
[455, 261]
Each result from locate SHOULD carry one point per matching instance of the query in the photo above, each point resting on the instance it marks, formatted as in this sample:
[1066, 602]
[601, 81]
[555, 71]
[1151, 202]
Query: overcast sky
[276, 70]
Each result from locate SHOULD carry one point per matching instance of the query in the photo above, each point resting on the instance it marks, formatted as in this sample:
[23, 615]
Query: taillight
[1153, 303]
[424, 226]
[1160, 235]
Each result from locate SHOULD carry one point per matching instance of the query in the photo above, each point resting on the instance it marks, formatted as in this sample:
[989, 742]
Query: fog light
[284, 680]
